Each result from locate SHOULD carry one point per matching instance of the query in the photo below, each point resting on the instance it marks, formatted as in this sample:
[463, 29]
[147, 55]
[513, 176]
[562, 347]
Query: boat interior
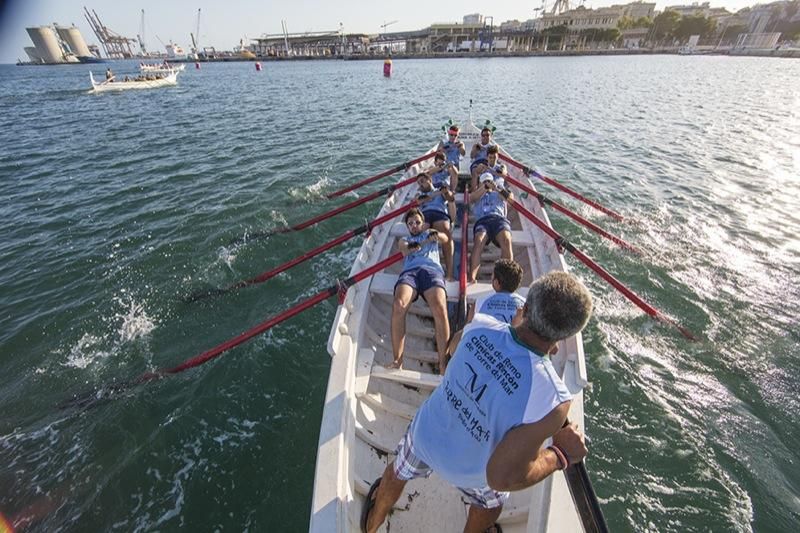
[368, 407]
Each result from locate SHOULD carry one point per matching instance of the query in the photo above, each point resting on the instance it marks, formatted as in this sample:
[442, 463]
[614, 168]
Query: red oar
[564, 188]
[105, 393]
[398, 168]
[600, 271]
[461, 310]
[574, 216]
[329, 214]
[369, 226]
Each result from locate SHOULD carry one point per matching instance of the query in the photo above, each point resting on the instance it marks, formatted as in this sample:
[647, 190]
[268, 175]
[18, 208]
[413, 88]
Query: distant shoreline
[781, 52]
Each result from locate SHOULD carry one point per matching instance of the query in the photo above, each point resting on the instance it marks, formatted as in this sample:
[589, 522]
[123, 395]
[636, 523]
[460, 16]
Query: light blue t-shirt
[438, 204]
[490, 204]
[441, 179]
[492, 385]
[452, 152]
[483, 151]
[501, 305]
[427, 255]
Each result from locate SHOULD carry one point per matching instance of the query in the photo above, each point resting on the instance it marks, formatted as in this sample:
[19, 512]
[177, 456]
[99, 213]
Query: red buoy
[197, 66]
[387, 68]
[258, 67]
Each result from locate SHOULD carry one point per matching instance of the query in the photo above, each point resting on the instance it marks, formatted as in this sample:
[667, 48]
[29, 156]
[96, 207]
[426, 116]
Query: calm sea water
[115, 206]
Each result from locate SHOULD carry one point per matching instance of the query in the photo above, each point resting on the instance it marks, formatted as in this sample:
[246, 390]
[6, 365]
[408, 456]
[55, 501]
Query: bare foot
[397, 363]
[471, 281]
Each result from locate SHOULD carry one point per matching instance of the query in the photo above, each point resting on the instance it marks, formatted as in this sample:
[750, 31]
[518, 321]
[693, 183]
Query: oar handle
[389, 172]
[529, 171]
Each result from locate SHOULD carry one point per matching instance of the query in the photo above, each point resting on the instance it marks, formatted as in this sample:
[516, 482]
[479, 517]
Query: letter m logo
[472, 384]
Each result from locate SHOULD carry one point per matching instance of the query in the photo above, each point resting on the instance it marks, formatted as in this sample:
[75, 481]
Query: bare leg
[453, 344]
[437, 301]
[451, 210]
[475, 257]
[504, 239]
[403, 296]
[388, 492]
[480, 519]
[448, 248]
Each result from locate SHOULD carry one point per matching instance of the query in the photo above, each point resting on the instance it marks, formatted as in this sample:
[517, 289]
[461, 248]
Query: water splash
[135, 324]
[86, 351]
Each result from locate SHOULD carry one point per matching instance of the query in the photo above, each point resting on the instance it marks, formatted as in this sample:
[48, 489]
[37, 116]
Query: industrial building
[53, 45]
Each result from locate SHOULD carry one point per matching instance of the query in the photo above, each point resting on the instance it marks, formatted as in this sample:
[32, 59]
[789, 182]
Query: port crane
[141, 36]
[386, 24]
[115, 45]
[196, 38]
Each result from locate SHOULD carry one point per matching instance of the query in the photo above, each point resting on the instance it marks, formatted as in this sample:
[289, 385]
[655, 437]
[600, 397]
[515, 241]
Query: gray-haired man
[484, 427]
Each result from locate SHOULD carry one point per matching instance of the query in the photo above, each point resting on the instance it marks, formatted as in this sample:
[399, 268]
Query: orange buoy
[258, 66]
[387, 67]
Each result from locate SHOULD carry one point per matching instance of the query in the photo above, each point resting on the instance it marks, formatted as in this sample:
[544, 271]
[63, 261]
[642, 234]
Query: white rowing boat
[115, 85]
[368, 408]
[160, 68]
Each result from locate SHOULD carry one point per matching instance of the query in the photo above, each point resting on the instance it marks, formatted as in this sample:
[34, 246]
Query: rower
[437, 203]
[422, 275]
[478, 153]
[491, 221]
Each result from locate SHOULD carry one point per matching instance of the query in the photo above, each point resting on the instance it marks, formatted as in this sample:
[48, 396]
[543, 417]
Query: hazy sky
[223, 23]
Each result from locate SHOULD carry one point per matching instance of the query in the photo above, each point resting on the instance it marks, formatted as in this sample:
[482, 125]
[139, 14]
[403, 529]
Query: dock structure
[310, 44]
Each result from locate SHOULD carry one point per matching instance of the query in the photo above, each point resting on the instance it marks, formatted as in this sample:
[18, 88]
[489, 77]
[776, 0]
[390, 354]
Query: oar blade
[204, 295]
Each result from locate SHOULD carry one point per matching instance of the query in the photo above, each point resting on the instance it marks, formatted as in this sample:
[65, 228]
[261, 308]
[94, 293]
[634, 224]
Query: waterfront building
[602, 18]
[634, 38]
[511, 25]
[694, 9]
[310, 44]
[453, 37]
[762, 16]
[637, 10]
[581, 18]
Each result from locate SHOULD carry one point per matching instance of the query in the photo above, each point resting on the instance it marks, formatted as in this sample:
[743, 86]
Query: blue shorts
[435, 216]
[492, 226]
[477, 162]
[421, 279]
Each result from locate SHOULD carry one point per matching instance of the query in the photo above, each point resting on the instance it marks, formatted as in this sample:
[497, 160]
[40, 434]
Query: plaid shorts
[408, 466]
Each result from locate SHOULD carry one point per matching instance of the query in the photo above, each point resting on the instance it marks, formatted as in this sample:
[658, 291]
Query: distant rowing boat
[160, 68]
[112, 85]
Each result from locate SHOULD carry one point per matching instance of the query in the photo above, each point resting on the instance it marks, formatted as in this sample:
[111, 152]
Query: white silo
[73, 38]
[46, 42]
[33, 54]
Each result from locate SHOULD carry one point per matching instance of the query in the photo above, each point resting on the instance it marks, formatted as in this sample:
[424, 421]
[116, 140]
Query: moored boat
[164, 80]
[368, 407]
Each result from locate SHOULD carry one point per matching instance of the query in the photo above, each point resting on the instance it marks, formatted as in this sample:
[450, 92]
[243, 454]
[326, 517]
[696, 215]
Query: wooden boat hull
[168, 81]
[368, 408]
